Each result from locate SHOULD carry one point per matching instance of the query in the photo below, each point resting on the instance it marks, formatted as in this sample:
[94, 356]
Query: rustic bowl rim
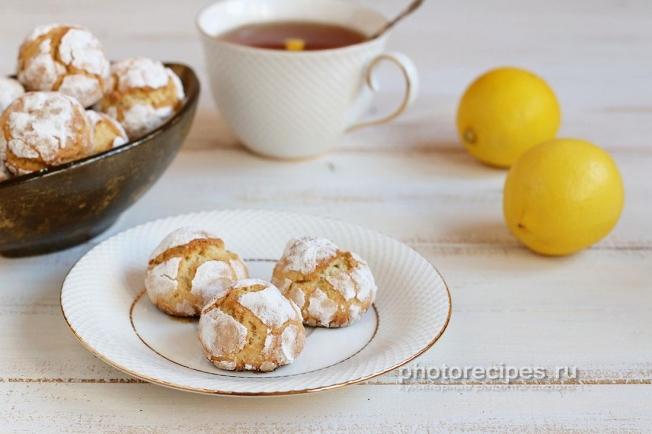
[188, 103]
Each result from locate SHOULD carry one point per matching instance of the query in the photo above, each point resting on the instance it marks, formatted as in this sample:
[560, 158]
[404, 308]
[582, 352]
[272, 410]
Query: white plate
[102, 303]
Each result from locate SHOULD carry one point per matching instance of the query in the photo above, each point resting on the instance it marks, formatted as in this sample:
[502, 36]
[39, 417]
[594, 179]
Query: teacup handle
[411, 77]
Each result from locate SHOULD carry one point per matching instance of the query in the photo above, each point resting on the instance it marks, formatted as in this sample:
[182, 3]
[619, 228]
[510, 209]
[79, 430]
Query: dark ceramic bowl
[66, 205]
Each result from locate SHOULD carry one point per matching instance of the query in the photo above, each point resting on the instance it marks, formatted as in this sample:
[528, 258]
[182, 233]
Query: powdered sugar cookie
[253, 327]
[67, 58]
[43, 129]
[10, 89]
[333, 288]
[106, 132]
[4, 173]
[188, 268]
[143, 94]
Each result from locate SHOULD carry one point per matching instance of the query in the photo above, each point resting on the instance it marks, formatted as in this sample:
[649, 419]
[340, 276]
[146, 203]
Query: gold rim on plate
[290, 392]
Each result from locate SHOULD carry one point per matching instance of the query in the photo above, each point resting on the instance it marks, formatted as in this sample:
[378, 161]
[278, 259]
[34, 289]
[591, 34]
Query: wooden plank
[417, 198]
[73, 408]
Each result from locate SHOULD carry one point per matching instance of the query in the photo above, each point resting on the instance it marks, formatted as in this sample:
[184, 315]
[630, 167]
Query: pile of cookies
[251, 324]
[69, 102]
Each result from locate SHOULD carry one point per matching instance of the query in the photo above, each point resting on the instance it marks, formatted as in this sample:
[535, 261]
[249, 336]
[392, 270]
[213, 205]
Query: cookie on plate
[106, 132]
[142, 95]
[67, 58]
[43, 129]
[252, 327]
[333, 288]
[188, 268]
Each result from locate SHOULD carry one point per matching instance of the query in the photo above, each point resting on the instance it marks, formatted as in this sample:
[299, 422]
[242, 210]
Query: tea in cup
[291, 77]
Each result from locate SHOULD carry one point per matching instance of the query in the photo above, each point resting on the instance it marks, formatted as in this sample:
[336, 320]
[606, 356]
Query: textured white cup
[294, 105]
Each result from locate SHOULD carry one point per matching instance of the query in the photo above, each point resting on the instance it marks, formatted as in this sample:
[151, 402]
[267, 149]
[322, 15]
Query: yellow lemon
[562, 196]
[504, 113]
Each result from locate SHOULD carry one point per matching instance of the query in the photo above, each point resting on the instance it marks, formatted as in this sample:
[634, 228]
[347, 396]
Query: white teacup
[292, 105]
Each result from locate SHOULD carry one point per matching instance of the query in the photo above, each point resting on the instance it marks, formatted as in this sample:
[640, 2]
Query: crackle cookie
[10, 89]
[188, 268]
[252, 327]
[142, 95]
[333, 288]
[43, 129]
[106, 132]
[65, 58]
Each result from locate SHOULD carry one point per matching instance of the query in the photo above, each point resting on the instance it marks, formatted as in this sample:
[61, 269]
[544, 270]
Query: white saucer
[103, 302]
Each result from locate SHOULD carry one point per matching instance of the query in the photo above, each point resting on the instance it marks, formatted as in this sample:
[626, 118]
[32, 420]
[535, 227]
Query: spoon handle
[411, 8]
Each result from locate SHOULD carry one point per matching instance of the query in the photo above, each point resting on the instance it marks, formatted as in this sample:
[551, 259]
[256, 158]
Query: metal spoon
[411, 8]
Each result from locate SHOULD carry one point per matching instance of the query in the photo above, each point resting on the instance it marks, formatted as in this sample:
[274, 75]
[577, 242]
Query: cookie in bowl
[43, 129]
[142, 95]
[67, 58]
[251, 328]
[188, 268]
[10, 89]
[106, 132]
[332, 287]
[4, 173]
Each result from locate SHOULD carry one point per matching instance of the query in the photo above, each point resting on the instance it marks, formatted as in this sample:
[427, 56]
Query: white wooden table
[414, 181]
